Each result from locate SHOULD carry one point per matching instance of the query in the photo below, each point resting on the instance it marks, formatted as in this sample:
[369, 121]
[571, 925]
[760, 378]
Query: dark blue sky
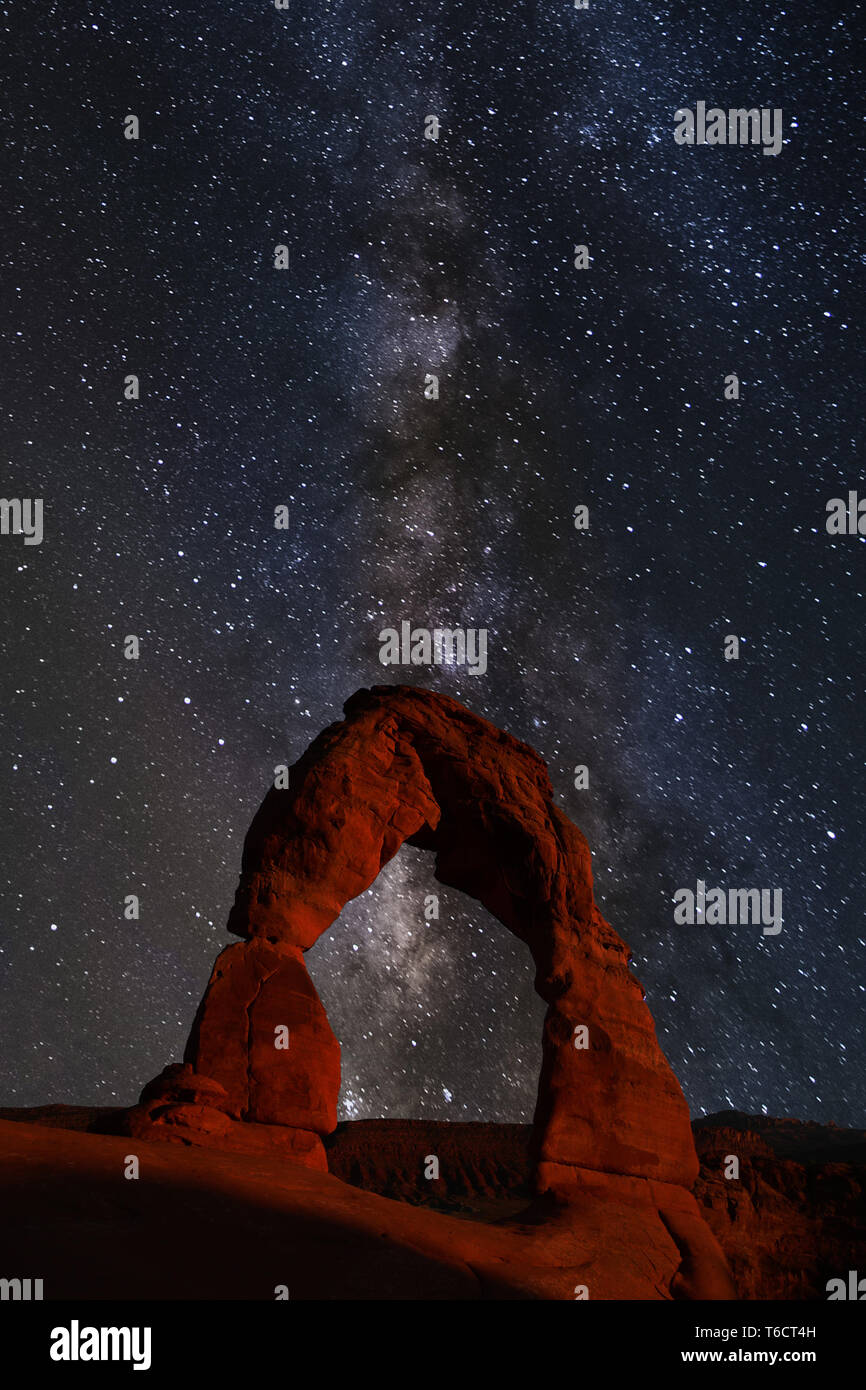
[558, 387]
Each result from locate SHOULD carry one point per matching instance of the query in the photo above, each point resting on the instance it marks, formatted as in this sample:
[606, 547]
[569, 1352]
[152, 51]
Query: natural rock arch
[410, 765]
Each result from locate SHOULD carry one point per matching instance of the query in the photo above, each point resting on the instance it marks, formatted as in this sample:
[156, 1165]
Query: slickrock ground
[207, 1224]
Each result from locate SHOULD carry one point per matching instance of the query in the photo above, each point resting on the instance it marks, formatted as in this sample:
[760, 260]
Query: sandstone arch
[614, 1156]
[410, 765]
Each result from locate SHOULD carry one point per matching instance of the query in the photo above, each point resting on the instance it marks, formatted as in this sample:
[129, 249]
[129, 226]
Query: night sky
[559, 387]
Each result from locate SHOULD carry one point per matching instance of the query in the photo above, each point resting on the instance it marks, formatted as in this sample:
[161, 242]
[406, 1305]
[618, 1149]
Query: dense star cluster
[559, 387]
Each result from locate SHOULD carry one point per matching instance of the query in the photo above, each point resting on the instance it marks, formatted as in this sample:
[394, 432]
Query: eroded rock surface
[611, 1124]
[787, 1225]
[795, 1217]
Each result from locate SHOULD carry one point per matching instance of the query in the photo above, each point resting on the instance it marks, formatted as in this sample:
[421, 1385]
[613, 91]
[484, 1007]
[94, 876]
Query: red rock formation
[795, 1217]
[408, 765]
[482, 1167]
[214, 1225]
[787, 1225]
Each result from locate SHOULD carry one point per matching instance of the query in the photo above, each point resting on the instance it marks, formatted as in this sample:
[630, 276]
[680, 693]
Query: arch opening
[432, 1000]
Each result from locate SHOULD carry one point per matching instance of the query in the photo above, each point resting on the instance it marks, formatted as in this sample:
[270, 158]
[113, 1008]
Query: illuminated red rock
[269, 986]
[208, 1224]
[795, 1216]
[238, 1090]
[239, 1221]
[406, 765]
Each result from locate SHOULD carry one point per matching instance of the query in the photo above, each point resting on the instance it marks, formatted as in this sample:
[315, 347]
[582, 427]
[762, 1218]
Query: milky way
[558, 387]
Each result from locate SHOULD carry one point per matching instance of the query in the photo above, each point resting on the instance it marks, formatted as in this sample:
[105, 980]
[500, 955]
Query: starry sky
[558, 387]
